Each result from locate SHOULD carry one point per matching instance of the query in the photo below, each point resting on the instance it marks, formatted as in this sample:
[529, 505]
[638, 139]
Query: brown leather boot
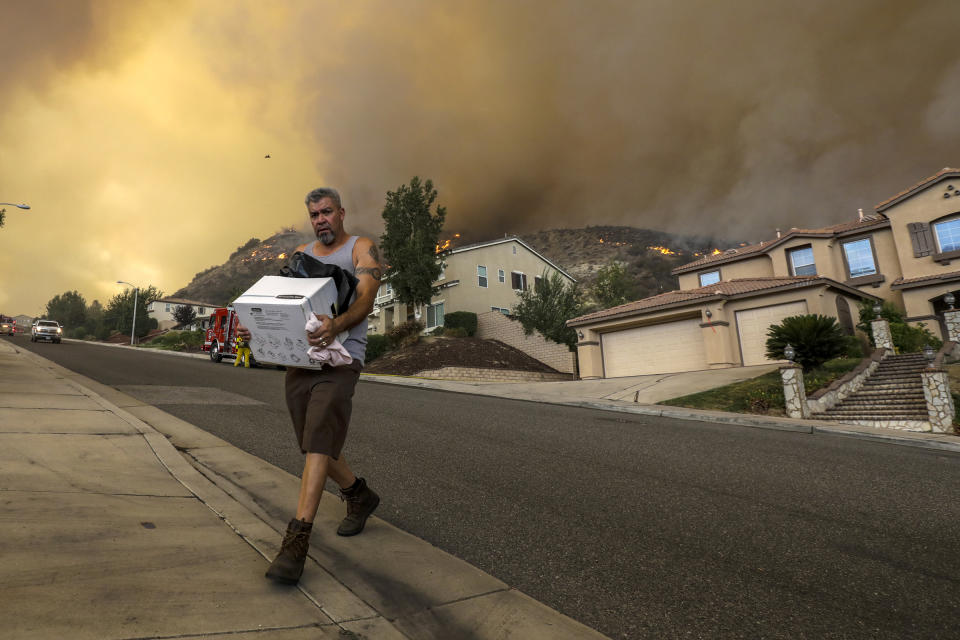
[287, 567]
[361, 501]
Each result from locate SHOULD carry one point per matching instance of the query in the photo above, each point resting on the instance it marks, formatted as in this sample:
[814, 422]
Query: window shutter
[921, 238]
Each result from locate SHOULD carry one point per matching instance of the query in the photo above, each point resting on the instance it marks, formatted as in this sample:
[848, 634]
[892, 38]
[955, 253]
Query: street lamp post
[134, 327]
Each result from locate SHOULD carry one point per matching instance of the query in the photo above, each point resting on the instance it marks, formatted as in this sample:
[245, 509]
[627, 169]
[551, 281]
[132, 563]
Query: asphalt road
[640, 527]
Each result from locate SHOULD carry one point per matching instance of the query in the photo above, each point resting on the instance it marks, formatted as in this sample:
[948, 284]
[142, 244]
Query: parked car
[46, 330]
[8, 325]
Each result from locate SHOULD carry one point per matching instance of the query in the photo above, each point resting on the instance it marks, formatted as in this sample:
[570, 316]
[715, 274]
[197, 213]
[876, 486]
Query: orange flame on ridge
[664, 250]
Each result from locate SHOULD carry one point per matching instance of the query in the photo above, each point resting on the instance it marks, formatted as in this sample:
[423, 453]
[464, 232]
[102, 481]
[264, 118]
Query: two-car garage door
[752, 326]
[659, 348]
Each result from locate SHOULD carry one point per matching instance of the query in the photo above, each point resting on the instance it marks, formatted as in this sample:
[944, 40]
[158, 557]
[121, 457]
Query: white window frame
[433, 307]
[953, 236]
[482, 280]
[869, 254]
[501, 275]
[443, 272]
[793, 266]
[709, 273]
[523, 280]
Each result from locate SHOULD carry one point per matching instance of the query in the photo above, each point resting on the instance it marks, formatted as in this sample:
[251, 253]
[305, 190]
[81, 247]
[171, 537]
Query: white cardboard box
[276, 310]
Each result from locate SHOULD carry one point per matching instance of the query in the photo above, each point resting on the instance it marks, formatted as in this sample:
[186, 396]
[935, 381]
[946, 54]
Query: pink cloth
[333, 354]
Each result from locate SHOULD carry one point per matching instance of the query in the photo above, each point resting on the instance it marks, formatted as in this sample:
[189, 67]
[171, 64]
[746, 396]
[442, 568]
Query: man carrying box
[320, 400]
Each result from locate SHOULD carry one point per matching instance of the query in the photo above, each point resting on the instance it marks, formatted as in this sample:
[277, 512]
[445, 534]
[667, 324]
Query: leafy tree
[547, 307]
[814, 338]
[69, 309]
[184, 314]
[409, 241]
[906, 337]
[119, 314]
[614, 285]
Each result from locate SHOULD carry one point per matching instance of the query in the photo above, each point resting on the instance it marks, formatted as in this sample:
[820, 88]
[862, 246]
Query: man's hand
[243, 332]
[325, 334]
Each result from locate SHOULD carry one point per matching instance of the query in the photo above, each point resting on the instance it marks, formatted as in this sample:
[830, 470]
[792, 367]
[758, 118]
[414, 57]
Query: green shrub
[456, 332]
[405, 334]
[906, 338]
[465, 320]
[178, 340]
[854, 347]
[377, 345]
[814, 338]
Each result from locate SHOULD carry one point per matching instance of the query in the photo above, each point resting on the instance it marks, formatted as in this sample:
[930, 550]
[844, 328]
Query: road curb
[942, 442]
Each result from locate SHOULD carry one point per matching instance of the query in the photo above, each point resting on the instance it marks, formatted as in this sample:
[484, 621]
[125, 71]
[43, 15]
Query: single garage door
[752, 326]
[659, 348]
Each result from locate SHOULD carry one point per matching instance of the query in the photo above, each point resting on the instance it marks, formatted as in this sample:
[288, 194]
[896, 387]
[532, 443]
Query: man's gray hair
[323, 192]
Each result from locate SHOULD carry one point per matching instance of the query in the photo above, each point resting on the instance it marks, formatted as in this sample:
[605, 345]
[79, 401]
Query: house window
[801, 262]
[859, 256]
[443, 272]
[536, 282]
[514, 249]
[482, 276]
[167, 309]
[505, 312]
[389, 289]
[710, 277]
[200, 312]
[518, 281]
[501, 275]
[948, 235]
[435, 315]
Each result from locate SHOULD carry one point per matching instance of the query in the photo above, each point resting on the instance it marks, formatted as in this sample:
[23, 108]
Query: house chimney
[778, 234]
[860, 213]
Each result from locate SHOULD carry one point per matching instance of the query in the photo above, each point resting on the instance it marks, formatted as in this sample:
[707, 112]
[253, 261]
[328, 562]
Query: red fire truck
[220, 339]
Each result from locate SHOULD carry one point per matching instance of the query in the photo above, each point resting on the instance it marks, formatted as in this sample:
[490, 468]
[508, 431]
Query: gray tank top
[356, 342]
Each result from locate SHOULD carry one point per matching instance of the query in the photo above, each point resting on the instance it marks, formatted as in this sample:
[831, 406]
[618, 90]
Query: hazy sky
[137, 131]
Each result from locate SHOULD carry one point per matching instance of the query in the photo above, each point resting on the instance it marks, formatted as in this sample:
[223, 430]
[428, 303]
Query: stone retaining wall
[494, 325]
[473, 374]
[822, 399]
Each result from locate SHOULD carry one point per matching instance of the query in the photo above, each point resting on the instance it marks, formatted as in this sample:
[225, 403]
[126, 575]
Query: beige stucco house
[482, 277]
[163, 309]
[726, 302]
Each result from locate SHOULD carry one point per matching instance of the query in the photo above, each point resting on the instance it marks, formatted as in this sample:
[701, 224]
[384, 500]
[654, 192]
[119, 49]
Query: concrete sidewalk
[121, 521]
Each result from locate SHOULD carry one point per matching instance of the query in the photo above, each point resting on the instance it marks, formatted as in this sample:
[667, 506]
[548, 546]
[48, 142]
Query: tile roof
[731, 255]
[909, 283]
[723, 288]
[489, 243]
[923, 183]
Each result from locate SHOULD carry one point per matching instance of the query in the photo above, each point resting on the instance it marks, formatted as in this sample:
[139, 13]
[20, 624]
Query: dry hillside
[649, 256]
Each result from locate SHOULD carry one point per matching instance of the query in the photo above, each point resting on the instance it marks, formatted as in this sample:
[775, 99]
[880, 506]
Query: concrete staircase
[891, 397]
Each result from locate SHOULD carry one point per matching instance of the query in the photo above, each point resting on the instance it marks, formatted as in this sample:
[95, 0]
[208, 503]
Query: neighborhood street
[637, 526]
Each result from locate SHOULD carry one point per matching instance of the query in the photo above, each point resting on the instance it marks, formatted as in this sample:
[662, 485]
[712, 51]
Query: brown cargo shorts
[320, 402]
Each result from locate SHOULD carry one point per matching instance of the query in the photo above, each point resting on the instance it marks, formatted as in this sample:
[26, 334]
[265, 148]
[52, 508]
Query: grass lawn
[764, 394]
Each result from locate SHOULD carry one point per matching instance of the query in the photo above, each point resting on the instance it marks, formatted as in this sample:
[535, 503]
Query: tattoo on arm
[374, 253]
[373, 271]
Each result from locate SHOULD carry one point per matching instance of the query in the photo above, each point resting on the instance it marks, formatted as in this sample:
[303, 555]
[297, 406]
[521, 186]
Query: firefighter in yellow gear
[243, 353]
